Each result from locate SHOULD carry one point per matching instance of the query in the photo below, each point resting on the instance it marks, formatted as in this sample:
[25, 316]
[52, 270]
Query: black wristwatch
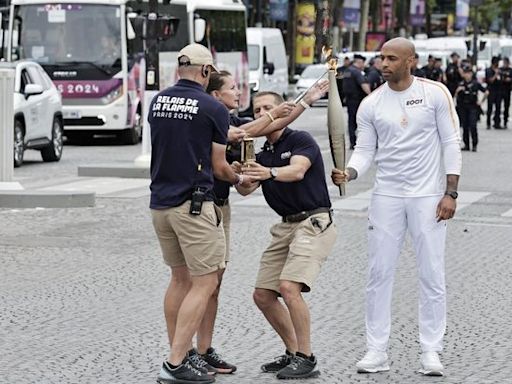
[452, 194]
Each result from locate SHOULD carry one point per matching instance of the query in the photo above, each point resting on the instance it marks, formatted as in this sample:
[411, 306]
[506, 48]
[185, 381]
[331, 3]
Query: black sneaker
[279, 363]
[199, 363]
[214, 359]
[301, 367]
[185, 373]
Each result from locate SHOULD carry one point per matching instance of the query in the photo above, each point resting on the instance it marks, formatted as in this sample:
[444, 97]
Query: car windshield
[64, 33]
[314, 71]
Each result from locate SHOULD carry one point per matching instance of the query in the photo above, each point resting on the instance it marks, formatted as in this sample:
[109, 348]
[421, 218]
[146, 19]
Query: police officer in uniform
[468, 107]
[291, 173]
[493, 80]
[355, 89]
[437, 73]
[453, 76]
[375, 78]
[415, 71]
[506, 87]
[188, 137]
[340, 71]
[428, 69]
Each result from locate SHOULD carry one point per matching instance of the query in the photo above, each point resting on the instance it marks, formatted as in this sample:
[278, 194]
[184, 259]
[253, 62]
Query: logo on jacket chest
[414, 103]
[286, 155]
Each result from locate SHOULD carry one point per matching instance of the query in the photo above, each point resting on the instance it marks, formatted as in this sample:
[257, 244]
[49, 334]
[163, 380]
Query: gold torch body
[336, 125]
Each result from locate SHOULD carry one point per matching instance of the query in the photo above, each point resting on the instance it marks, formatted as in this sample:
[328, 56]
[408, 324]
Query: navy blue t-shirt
[184, 122]
[288, 198]
[352, 80]
[233, 153]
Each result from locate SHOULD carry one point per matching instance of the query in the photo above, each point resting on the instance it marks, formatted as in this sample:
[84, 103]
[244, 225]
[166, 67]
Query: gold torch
[335, 121]
[248, 153]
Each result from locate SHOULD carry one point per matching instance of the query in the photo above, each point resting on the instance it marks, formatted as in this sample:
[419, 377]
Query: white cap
[197, 54]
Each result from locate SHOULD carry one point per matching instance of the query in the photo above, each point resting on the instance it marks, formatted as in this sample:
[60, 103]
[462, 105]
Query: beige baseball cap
[197, 54]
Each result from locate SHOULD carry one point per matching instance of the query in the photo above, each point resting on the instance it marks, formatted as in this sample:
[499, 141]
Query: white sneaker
[430, 364]
[373, 361]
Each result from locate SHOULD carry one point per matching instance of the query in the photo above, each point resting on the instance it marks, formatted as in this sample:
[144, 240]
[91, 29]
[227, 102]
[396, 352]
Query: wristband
[304, 104]
[270, 116]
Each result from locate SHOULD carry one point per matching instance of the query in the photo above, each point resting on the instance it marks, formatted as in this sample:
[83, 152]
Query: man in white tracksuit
[409, 126]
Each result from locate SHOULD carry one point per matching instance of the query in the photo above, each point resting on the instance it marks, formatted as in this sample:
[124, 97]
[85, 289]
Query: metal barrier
[6, 124]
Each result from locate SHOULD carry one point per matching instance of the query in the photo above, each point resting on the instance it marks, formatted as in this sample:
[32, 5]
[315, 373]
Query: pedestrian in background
[494, 85]
[468, 107]
[340, 72]
[410, 128]
[291, 173]
[453, 73]
[415, 71]
[438, 74]
[506, 87]
[375, 79]
[355, 89]
[428, 68]
[188, 137]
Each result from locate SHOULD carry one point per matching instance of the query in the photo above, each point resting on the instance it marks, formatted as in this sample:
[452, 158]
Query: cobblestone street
[81, 290]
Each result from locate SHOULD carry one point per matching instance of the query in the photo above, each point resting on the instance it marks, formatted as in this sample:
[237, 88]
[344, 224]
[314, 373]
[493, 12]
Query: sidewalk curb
[124, 170]
[46, 199]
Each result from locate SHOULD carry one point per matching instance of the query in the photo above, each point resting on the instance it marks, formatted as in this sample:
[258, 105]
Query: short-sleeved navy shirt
[184, 122]
[288, 198]
[353, 77]
[496, 84]
[233, 153]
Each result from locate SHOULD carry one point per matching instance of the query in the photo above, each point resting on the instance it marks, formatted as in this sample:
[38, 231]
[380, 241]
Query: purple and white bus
[91, 51]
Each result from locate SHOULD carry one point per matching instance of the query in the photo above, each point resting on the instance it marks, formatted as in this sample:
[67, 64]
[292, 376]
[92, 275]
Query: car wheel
[19, 145]
[132, 136]
[53, 151]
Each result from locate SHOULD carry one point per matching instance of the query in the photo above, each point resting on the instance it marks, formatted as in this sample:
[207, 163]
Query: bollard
[144, 159]
[7, 74]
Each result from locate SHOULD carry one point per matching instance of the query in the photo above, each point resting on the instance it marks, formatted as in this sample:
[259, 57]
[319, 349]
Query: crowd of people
[355, 81]
[197, 158]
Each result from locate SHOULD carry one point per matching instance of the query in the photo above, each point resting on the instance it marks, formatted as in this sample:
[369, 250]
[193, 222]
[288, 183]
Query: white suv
[37, 112]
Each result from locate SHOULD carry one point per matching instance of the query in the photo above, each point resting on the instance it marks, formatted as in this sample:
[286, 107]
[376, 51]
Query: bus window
[225, 30]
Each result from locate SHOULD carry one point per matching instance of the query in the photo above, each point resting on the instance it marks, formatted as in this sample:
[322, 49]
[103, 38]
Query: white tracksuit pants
[389, 218]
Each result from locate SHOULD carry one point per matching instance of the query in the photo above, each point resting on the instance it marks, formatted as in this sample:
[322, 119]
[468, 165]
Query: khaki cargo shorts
[196, 241]
[226, 222]
[297, 252]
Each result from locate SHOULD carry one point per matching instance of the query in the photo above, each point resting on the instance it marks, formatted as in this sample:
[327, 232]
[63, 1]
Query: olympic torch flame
[335, 121]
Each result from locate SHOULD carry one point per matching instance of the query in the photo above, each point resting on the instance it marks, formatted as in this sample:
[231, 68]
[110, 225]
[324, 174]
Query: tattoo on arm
[452, 182]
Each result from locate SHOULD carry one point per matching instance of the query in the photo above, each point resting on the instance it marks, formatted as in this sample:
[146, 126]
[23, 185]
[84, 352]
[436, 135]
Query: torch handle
[301, 96]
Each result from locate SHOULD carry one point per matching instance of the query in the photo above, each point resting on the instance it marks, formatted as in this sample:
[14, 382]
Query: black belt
[221, 202]
[297, 217]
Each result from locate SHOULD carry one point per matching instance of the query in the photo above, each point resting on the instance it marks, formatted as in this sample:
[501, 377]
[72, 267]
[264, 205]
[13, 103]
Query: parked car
[309, 75]
[38, 122]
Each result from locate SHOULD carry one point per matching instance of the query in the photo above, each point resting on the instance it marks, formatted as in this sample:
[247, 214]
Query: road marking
[103, 185]
[467, 198]
[361, 201]
[507, 214]
[357, 202]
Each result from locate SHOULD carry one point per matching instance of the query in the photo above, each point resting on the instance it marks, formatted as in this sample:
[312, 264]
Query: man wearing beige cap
[188, 137]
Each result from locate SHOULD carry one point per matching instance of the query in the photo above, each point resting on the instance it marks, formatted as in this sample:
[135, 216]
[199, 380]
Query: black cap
[454, 54]
[467, 68]
[358, 56]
